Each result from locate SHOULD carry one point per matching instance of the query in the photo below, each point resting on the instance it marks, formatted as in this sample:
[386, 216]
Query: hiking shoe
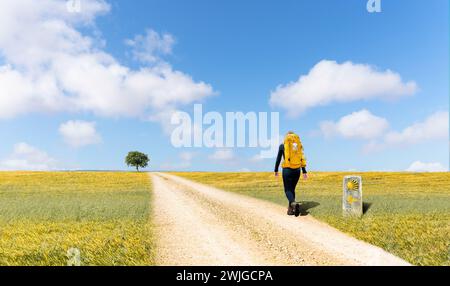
[290, 211]
[297, 210]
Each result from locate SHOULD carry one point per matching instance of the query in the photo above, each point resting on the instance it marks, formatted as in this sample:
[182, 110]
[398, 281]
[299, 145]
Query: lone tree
[137, 160]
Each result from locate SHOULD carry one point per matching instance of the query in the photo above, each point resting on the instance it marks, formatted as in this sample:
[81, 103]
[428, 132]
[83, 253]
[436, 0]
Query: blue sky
[241, 52]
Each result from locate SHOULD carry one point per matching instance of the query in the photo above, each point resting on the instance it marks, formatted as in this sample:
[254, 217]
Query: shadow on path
[306, 206]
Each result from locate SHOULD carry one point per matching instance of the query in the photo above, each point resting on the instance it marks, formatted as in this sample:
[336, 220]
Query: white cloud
[27, 157]
[435, 127]
[419, 166]
[362, 125]
[187, 156]
[50, 66]
[184, 162]
[223, 155]
[79, 133]
[257, 158]
[329, 81]
[149, 47]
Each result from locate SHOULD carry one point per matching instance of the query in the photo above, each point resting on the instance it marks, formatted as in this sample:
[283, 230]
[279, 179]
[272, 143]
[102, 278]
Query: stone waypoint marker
[352, 201]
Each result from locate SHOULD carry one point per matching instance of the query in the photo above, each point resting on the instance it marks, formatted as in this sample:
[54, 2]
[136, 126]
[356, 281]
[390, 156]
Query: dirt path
[201, 225]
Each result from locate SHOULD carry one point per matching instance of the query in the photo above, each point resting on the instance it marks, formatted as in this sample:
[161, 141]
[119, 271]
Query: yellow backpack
[293, 152]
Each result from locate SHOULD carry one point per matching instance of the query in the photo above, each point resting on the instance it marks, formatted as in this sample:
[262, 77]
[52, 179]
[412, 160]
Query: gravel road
[201, 225]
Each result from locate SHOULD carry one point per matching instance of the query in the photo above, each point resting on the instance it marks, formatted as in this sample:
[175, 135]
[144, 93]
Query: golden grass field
[108, 215]
[104, 215]
[407, 214]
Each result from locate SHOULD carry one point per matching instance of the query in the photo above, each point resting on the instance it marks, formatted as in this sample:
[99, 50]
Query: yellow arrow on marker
[351, 199]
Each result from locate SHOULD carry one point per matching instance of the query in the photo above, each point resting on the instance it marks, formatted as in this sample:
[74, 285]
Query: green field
[407, 214]
[104, 215]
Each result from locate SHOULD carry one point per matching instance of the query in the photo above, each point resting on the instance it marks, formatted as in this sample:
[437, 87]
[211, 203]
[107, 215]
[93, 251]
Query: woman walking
[294, 163]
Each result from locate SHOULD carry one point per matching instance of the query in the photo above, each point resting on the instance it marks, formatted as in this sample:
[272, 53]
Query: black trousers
[290, 181]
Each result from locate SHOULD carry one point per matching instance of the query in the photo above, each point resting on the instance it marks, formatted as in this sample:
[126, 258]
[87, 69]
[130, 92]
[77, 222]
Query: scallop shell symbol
[353, 185]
